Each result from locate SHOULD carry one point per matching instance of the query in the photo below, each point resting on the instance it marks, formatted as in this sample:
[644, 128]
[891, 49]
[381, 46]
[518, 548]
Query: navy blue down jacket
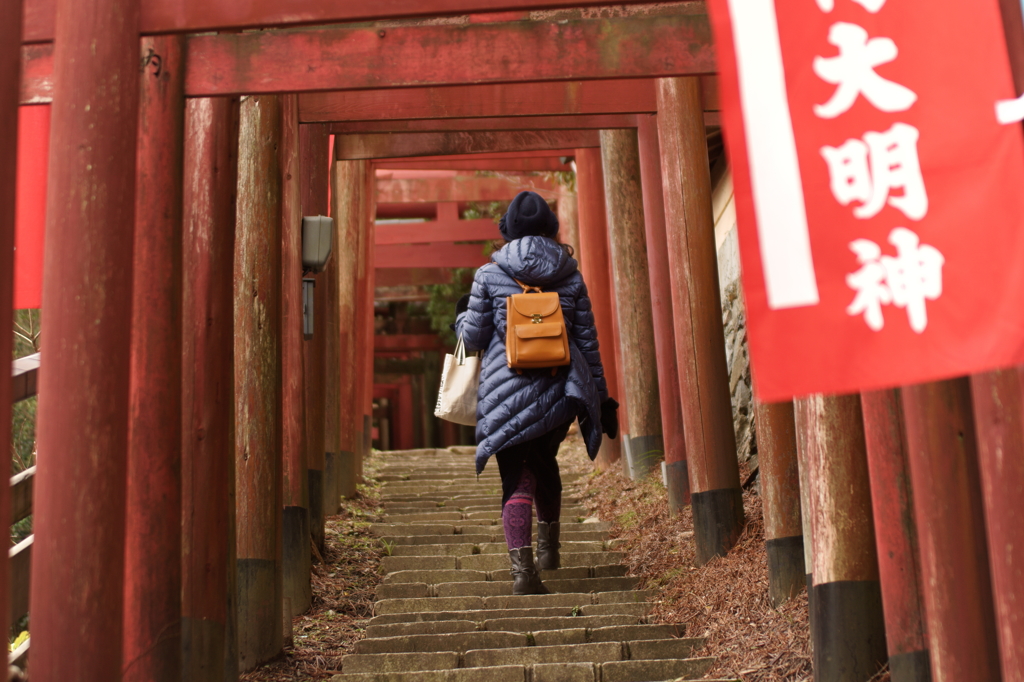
[515, 407]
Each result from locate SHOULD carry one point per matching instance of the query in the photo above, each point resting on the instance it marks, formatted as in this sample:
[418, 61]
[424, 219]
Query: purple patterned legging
[517, 514]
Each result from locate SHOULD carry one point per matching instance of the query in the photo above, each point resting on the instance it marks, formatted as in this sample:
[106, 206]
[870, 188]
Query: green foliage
[27, 325]
[566, 179]
[443, 297]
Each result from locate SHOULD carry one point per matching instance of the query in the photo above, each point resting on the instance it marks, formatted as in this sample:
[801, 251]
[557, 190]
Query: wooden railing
[25, 376]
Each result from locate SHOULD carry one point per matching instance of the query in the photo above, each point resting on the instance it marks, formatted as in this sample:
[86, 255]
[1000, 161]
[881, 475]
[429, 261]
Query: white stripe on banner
[771, 147]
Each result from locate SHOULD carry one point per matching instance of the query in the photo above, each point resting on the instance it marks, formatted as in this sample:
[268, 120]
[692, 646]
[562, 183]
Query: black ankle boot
[524, 573]
[548, 546]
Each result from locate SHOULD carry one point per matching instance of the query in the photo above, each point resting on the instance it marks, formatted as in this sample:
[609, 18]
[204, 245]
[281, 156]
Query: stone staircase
[445, 610]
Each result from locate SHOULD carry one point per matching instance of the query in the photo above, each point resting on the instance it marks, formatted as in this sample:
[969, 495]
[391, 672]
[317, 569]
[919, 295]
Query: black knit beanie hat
[528, 214]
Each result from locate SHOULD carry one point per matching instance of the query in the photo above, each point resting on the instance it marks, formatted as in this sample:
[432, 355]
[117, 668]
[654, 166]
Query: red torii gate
[91, 257]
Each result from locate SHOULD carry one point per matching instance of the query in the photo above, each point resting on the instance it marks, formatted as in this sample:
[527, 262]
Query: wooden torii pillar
[697, 312]
[80, 496]
[152, 616]
[349, 188]
[620, 159]
[258, 461]
[314, 167]
[209, 599]
[10, 77]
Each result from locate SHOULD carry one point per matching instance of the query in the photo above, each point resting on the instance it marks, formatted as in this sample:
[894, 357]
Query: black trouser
[538, 457]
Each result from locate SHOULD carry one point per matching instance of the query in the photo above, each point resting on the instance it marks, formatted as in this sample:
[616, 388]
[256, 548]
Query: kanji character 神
[853, 71]
[870, 5]
[869, 170]
[906, 280]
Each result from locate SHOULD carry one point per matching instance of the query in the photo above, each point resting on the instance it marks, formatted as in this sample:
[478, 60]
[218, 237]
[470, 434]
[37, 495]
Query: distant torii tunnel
[192, 439]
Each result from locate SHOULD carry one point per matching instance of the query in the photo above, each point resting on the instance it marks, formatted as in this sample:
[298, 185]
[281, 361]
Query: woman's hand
[610, 417]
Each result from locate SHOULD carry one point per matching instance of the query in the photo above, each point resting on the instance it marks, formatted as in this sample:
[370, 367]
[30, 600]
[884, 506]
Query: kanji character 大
[869, 170]
[853, 71]
[870, 5]
[906, 280]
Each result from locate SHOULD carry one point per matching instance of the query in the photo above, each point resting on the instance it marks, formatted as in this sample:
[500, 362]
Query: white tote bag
[456, 400]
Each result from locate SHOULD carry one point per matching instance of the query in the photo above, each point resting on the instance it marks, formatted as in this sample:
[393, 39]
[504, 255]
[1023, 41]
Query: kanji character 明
[869, 170]
[906, 280]
[853, 71]
[870, 5]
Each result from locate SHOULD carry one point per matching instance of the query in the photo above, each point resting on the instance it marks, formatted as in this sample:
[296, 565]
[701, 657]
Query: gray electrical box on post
[316, 251]
[316, 242]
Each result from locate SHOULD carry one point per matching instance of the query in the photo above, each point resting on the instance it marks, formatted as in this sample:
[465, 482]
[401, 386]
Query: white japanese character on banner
[870, 5]
[853, 71]
[869, 170]
[906, 280]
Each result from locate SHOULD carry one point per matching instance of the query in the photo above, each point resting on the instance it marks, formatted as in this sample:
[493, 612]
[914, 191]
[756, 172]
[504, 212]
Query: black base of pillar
[809, 584]
[717, 522]
[785, 568]
[347, 475]
[316, 507]
[677, 481]
[331, 502]
[296, 557]
[202, 650]
[260, 636]
[642, 454]
[848, 631]
[914, 666]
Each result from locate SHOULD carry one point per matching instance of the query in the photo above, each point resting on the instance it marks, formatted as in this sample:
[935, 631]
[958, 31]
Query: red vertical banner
[878, 194]
[30, 205]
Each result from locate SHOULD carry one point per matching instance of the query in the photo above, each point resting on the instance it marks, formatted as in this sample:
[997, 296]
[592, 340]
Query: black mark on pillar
[153, 60]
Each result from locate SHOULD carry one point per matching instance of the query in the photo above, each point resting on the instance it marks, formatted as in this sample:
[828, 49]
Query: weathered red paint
[436, 231]
[848, 632]
[696, 303]
[892, 501]
[349, 209]
[780, 489]
[999, 413]
[661, 305]
[79, 511]
[406, 342]
[10, 71]
[948, 507]
[464, 188]
[208, 405]
[540, 164]
[258, 381]
[594, 264]
[440, 125]
[36, 74]
[314, 165]
[438, 255]
[620, 161]
[152, 590]
[998, 399]
[399, 277]
[30, 205]
[365, 357]
[295, 484]
[187, 16]
[674, 40]
[431, 144]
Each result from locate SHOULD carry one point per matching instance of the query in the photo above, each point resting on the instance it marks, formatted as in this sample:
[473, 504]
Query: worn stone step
[399, 663]
[575, 532]
[531, 655]
[403, 591]
[396, 529]
[660, 669]
[429, 517]
[434, 577]
[460, 549]
[493, 562]
[506, 674]
[495, 588]
[567, 547]
[390, 564]
[457, 641]
[436, 627]
[477, 616]
[631, 633]
[587, 604]
[663, 648]
[557, 623]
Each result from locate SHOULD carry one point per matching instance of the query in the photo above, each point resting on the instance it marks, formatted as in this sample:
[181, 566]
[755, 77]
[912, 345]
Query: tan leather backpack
[535, 335]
